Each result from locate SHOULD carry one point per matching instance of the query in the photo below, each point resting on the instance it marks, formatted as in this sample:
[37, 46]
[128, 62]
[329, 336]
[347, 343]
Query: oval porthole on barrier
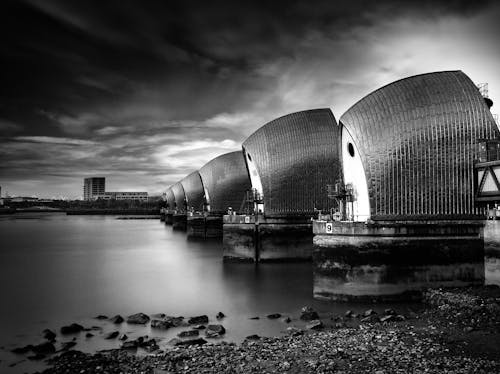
[350, 149]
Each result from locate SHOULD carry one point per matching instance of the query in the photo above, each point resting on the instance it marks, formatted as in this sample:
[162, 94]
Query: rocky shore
[457, 332]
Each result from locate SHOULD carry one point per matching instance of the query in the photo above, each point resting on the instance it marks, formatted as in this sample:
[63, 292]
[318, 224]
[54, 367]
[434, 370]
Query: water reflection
[57, 269]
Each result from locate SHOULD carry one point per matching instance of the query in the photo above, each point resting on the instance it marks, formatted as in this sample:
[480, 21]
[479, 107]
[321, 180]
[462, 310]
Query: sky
[145, 92]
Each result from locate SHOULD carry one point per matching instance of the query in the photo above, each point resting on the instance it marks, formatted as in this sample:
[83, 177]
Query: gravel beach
[458, 332]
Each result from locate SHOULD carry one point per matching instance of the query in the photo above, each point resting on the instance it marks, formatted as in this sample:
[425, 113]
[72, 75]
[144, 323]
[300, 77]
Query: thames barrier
[387, 201]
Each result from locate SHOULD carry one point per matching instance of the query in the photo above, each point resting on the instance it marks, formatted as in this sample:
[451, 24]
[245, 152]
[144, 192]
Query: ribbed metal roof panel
[296, 155]
[193, 189]
[418, 138]
[180, 197]
[226, 180]
[170, 198]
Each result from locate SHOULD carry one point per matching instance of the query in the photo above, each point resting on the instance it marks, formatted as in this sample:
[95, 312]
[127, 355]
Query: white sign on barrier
[329, 227]
[247, 219]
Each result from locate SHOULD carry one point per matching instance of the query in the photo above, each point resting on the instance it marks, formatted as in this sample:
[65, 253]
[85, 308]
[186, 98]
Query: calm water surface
[57, 269]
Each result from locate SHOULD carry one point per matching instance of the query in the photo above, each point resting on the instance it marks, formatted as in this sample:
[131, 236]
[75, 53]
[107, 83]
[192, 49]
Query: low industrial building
[141, 196]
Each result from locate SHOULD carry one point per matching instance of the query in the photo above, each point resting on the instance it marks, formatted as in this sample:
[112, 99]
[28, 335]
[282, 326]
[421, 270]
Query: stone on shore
[214, 331]
[314, 325]
[112, 335]
[187, 342]
[101, 316]
[117, 319]
[188, 333]
[161, 324]
[138, 319]
[158, 315]
[175, 321]
[308, 314]
[197, 320]
[274, 316]
[74, 328]
[369, 312]
[66, 346]
[220, 315]
[49, 335]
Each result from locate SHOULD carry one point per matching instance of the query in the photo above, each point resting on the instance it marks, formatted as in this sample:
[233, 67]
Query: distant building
[142, 196]
[93, 187]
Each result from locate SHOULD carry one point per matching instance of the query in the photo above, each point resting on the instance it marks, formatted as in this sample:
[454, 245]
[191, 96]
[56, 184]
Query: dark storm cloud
[151, 89]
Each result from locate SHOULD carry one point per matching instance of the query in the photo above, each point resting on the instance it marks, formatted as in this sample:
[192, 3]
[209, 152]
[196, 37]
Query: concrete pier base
[179, 221]
[261, 239]
[201, 226]
[169, 218]
[395, 260]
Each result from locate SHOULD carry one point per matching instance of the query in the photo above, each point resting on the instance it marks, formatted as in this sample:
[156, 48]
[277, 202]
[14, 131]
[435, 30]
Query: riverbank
[458, 332]
[96, 211]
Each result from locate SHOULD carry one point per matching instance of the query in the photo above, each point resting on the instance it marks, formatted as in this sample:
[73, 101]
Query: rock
[123, 337]
[274, 316]
[132, 344]
[74, 328]
[469, 329]
[294, 331]
[214, 331]
[101, 316]
[369, 312]
[187, 342]
[149, 345]
[370, 319]
[400, 317]
[388, 318]
[158, 315]
[287, 320]
[138, 319]
[176, 321]
[175, 341]
[161, 324]
[89, 335]
[315, 325]
[66, 346]
[44, 348]
[199, 327]
[112, 335]
[117, 319]
[49, 335]
[308, 314]
[254, 318]
[198, 320]
[22, 350]
[188, 333]
[252, 337]
[390, 312]
[348, 314]
[220, 315]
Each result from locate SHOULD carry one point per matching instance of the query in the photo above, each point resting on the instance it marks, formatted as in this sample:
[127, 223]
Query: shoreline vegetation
[78, 207]
[457, 331]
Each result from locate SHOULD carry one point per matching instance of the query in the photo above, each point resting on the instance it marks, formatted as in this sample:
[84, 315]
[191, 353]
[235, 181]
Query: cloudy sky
[144, 92]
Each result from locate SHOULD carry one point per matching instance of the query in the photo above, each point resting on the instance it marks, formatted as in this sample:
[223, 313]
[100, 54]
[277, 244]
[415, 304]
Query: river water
[57, 269]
